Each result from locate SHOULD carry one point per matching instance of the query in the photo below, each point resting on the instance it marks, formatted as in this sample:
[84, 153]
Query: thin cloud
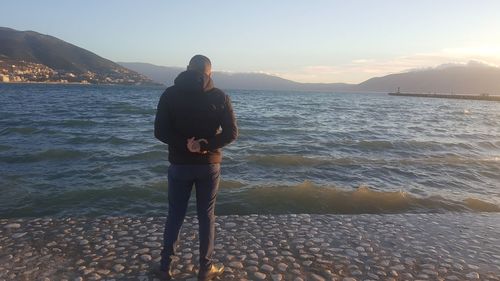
[359, 70]
[322, 69]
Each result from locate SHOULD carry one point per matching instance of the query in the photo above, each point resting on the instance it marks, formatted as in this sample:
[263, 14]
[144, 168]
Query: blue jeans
[181, 179]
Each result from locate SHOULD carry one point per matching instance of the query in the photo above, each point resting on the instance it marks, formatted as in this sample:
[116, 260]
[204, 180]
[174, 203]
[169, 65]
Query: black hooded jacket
[192, 107]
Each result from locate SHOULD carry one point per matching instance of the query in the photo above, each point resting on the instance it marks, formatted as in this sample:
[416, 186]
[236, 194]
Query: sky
[306, 41]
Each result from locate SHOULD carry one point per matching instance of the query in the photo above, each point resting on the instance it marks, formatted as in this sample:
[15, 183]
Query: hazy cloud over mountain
[471, 78]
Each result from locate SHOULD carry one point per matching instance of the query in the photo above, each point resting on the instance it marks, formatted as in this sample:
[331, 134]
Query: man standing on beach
[196, 120]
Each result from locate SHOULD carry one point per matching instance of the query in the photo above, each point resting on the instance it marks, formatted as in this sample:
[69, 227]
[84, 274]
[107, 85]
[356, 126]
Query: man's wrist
[203, 146]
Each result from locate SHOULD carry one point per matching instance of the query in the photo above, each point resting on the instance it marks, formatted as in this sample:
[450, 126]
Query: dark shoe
[161, 274]
[212, 272]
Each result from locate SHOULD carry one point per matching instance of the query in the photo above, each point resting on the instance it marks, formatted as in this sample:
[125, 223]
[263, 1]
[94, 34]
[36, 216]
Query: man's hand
[194, 145]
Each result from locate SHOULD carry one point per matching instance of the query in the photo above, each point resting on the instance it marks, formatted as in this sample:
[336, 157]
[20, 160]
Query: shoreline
[450, 246]
[81, 84]
[449, 96]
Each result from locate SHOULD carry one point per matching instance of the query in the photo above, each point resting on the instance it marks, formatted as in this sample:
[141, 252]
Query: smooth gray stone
[236, 264]
[267, 268]
[12, 225]
[282, 266]
[142, 251]
[146, 258]
[252, 268]
[351, 252]
[19, 235]
[260, 275]
[316, 277]
[277, 277]
[472, 275]
[103, 271]
[229, 225]
[118, 267]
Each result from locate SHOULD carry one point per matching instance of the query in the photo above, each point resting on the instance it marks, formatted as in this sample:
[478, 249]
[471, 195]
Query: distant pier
[450, 96]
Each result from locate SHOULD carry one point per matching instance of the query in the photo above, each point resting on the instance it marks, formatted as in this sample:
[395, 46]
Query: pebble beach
[450, 246]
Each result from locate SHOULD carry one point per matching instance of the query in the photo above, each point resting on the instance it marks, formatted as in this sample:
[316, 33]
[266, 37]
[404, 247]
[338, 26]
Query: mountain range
[229, 80]
[470, 78]
[30, 51]
[33, 56]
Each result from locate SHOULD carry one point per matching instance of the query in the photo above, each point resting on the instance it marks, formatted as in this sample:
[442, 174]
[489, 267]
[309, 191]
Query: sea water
[84, 150]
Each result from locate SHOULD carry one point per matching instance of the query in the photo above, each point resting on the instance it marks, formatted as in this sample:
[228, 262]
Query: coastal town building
[25, 72]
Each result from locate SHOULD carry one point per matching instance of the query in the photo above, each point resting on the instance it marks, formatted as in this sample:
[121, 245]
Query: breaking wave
[309, 198]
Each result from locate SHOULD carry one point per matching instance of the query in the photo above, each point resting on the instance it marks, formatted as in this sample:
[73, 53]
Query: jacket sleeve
[164, 130]
[229, 129]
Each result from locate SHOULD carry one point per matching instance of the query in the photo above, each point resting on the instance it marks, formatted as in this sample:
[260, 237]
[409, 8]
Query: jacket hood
[194, 81]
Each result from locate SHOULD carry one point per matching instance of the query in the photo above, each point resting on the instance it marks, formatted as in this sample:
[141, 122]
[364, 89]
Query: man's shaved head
[201, 64]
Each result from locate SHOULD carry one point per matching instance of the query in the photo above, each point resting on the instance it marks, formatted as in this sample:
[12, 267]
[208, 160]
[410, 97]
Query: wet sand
[451, 246]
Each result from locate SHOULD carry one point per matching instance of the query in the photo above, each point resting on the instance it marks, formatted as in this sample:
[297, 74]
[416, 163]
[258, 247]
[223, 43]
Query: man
[196, 120]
